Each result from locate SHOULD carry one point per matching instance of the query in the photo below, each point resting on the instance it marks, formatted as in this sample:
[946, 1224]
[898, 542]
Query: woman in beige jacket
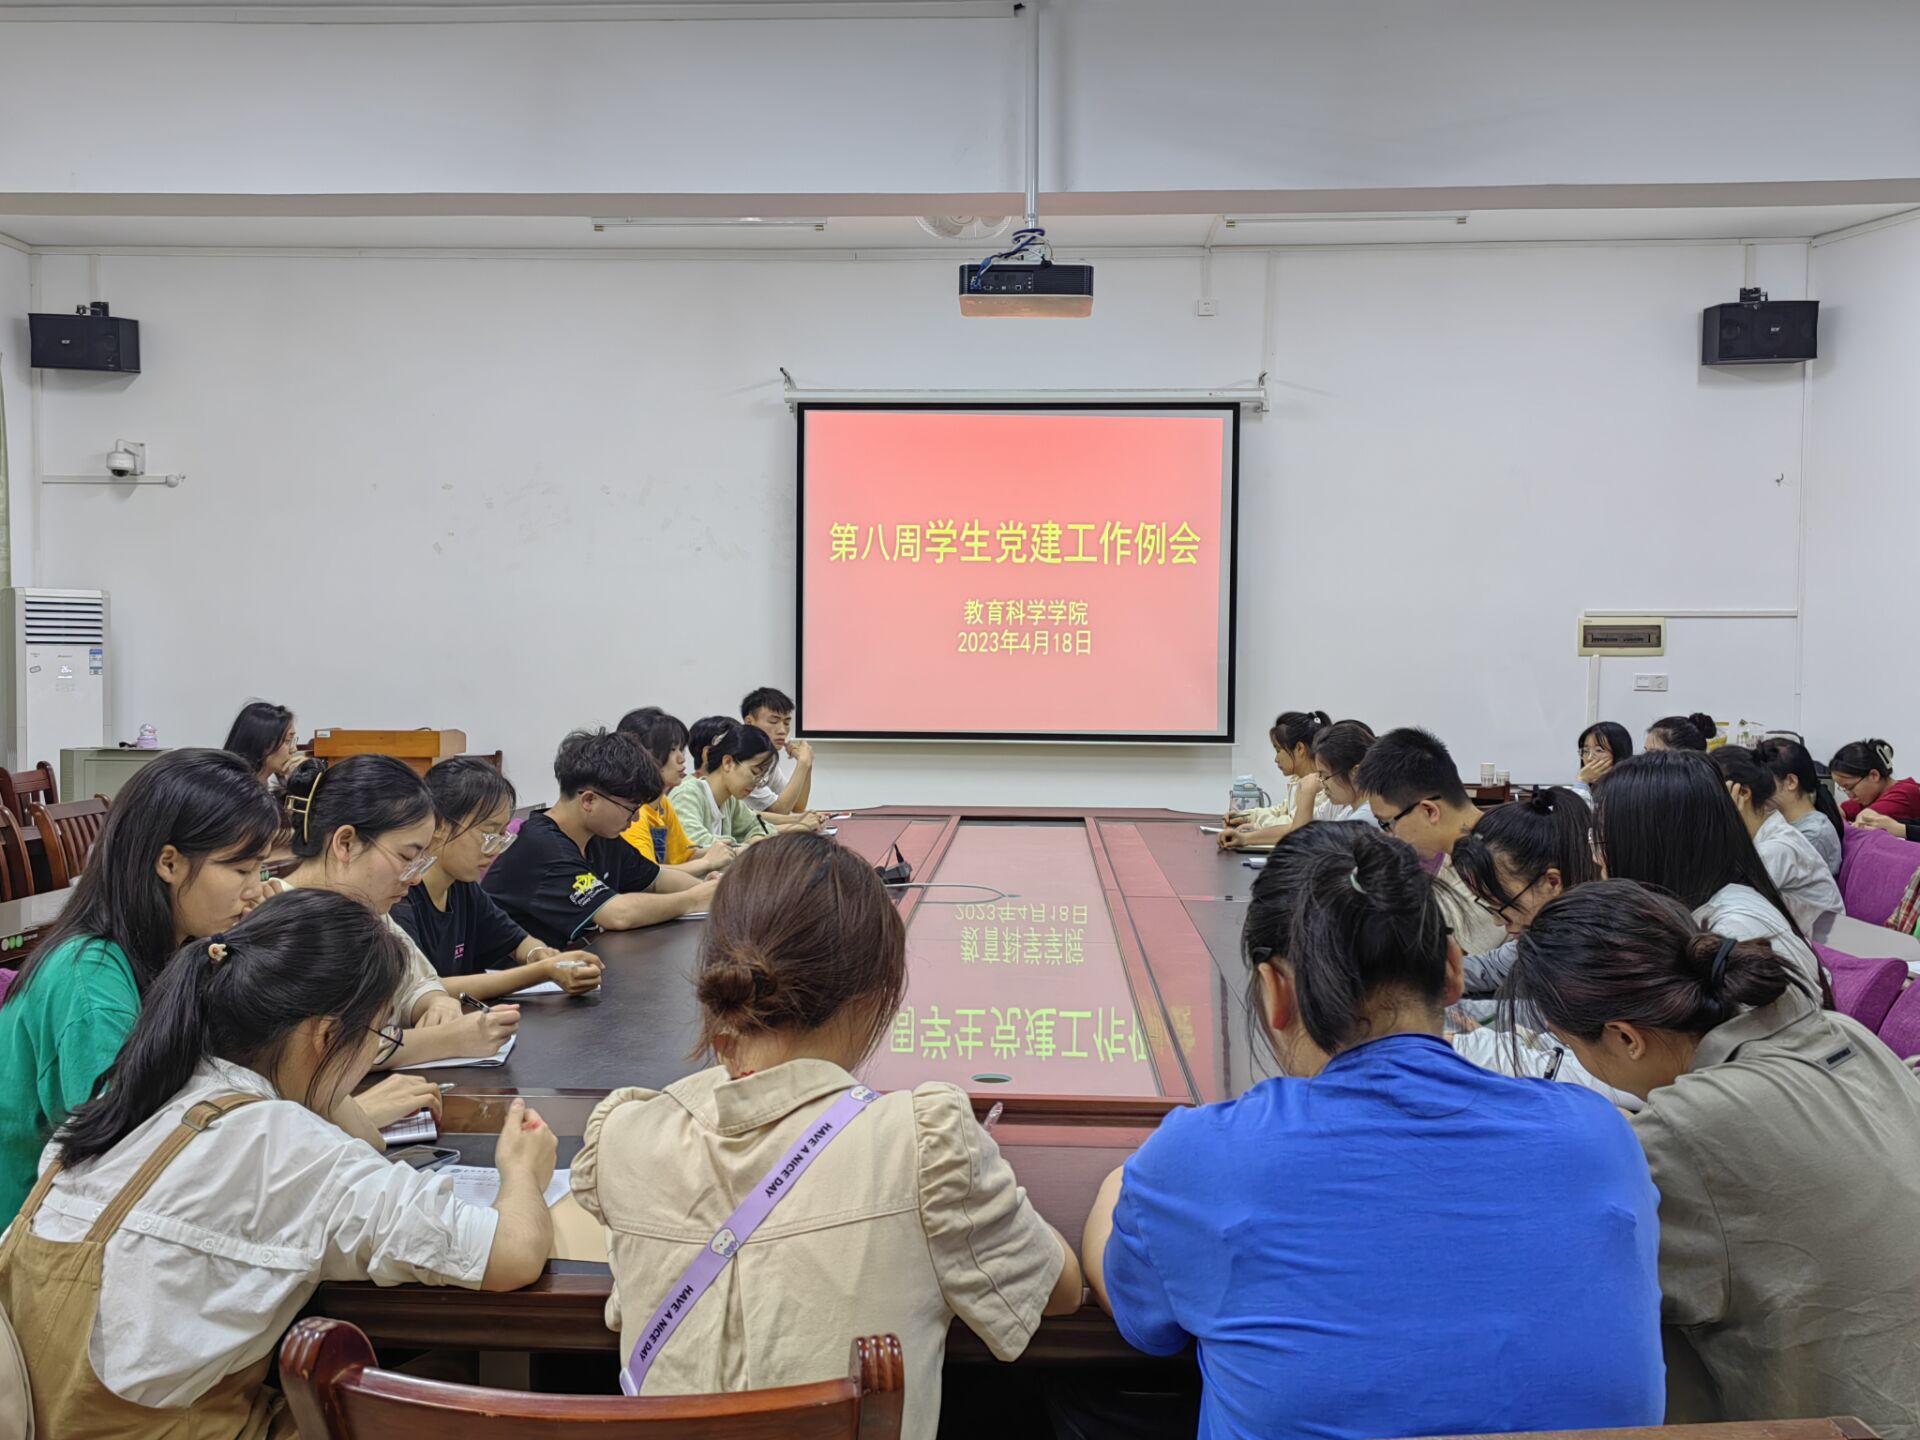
[910, 1217]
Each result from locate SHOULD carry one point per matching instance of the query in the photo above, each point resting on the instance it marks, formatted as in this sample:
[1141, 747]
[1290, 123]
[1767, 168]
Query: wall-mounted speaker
[1759, 331]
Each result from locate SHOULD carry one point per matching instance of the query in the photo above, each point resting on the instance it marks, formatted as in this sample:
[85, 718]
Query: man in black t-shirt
[570, 870]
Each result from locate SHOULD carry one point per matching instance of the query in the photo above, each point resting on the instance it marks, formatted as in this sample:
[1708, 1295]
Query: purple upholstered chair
[1874, 870]
[1901, 1028]
[1864, 989]
[6, 982]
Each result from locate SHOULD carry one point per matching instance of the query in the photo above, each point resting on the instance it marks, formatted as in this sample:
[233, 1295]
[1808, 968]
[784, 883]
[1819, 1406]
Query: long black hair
[375, 794]
[1740, 766]
[295, 957]
[201, 802]
[1617, 950]
[257, 731]
[1613, 738]
[1785, 756]
[466, 790]
[1550, 830]
[1665, 819]
[1351, 912]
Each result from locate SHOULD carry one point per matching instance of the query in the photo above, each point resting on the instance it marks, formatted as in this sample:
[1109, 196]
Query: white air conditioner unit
[53, 683]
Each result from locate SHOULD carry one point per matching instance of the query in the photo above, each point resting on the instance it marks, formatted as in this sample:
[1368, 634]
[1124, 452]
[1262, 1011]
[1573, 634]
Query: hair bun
[1705, 724]
[736, 984]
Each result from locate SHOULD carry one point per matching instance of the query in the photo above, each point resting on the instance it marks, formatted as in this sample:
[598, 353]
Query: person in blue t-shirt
[1386, 1239]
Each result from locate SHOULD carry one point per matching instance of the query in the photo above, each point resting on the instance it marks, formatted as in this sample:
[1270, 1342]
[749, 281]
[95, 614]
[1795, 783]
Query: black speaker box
[1770, 332]
[85, 342]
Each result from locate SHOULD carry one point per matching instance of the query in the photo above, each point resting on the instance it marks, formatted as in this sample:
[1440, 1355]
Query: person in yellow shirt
[656, 831]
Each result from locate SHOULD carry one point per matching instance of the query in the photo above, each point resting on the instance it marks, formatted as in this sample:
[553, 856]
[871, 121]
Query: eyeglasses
[1387, 825]
[1499, 912]
[632, 810]
[1590, 753]
[411, 870]
[496, 843]
[390, 1037]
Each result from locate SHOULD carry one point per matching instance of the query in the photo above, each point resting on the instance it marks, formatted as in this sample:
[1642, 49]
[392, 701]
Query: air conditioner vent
[56, 619]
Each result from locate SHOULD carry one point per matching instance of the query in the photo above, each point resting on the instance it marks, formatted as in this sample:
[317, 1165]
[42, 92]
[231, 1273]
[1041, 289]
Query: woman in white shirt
[1337, 753]
[1291, 735]
[1801, 798]
[147, 1290]
[1797, 870]
[1665, 819]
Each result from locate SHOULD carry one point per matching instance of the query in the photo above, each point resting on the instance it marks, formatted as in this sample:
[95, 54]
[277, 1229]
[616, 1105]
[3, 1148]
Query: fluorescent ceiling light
[679, 222]
[1325, 217]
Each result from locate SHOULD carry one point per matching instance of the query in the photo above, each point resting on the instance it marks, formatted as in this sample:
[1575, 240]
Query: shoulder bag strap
[774, 1187]
[191, 1124]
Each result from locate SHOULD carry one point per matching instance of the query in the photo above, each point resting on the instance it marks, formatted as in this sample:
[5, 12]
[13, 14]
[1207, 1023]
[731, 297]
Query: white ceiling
[901, 233]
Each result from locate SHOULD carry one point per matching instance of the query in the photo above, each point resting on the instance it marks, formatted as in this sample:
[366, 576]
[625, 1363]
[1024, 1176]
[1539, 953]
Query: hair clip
[1353, 879]
[216, 951]
[1719, 966]
[302, 805]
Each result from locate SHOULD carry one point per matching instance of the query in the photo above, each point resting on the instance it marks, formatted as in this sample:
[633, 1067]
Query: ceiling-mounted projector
[1028, 291]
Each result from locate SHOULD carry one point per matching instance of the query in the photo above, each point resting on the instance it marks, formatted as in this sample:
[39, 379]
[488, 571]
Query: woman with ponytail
[180, 855]
[1795, 867]
[184, 1217]
[1292, 735]
[1515, 860]
[1301, 1233]
[1800, 797]
[911, 1218]
[1785, 1142]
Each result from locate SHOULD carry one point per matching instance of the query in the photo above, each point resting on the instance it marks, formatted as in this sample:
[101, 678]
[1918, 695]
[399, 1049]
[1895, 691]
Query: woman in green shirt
[712, 802]
[180, 855]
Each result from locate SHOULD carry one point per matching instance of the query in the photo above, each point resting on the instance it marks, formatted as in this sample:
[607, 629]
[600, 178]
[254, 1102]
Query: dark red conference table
[1082, 968]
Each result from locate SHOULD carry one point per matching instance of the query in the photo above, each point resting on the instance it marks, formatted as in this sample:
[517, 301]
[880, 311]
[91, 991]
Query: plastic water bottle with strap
[1246, 795]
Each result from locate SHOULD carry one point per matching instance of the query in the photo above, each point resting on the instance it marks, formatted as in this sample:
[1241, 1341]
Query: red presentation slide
[1004, 573]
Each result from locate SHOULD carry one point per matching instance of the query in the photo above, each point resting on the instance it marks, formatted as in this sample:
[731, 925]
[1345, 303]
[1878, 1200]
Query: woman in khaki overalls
[183, 1218]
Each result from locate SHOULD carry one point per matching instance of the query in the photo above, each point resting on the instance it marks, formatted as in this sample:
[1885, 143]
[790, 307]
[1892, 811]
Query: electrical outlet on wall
[1650, 682]
[1204, 308]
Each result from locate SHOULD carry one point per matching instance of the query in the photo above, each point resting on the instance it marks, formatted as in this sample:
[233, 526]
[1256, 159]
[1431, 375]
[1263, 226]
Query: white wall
[408, 499]
[1863, 495]
[17, 396]
[1143, 95]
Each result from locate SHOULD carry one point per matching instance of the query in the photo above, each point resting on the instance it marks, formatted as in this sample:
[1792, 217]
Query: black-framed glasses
[390, 1037]
[632, 810]
[1387, 825]
[1499, 912]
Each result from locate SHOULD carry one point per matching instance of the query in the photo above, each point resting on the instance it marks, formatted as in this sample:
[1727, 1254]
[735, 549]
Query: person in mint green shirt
[181, 855]
[712, 802]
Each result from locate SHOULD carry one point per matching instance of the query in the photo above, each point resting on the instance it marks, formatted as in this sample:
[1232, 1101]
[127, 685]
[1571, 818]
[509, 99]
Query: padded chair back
[1874, 870]
[335, 1393]
[1901, 1027]
[1864, 989]
[6, 981]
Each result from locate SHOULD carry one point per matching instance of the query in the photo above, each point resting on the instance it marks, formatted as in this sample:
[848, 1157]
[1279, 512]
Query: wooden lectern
[420, 749]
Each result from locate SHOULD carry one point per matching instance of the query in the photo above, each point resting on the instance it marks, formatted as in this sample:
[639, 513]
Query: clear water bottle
[1245, 795]
[149, 739]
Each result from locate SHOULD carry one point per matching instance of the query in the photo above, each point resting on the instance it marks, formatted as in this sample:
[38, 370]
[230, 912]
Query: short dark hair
[1550, 830]
[1685, 732]
[1351, 912]
[466, 788]
[802, 930]
[375, 794]
[257, 731]
[609, 762]
[1297, 727]
[1863, 758]
[1617, 950]
[1342, 745]
[1613, 738]
[1408, 765]
[1665, 819]
[766, 698]
[661, 733]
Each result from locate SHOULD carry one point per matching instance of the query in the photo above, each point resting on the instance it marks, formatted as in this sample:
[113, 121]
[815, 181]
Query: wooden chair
[16, 866]
[20, 789]
[67, 832]
[335, 1393]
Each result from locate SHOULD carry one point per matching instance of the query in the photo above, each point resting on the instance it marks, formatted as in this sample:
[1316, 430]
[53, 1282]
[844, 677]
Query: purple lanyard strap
[727, 1240]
